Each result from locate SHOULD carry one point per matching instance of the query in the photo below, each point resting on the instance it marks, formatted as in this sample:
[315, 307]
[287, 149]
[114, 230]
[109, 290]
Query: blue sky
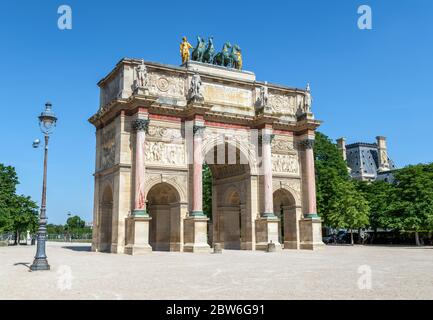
[364, 82]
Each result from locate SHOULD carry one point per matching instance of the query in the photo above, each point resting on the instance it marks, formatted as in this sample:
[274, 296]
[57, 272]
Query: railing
[86, 237]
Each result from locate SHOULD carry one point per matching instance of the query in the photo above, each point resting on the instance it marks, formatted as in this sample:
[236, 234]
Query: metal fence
[85, 237]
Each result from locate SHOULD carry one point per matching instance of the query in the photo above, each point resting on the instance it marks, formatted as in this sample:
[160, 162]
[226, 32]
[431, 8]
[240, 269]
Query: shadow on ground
[26, 264]
[78, 248]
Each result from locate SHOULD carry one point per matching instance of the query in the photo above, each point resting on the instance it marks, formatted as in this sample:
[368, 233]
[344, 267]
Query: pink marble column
[311, 178]
[197, 205]
[140, 126]
[267, 174]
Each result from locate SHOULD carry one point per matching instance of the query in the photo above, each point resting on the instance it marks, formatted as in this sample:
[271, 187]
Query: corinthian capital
[266, 138]
[141, 125]
[198, 130]
[307, 144]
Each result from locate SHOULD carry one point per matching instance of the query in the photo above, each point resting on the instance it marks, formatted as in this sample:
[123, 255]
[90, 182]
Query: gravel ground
[331, 273]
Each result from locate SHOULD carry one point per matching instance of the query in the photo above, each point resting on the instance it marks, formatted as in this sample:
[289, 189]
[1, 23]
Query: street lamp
[47, 122]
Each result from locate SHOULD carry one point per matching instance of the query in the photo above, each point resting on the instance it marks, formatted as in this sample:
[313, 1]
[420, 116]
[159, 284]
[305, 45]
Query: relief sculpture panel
[282, 104]
[161, 153]
[285, 163]
[107, 149]
[166, 85]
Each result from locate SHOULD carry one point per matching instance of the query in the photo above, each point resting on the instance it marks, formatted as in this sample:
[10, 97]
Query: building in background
[368, 161]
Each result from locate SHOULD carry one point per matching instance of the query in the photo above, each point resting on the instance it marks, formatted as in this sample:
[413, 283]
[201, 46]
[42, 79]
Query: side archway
[289, 213]
[105, 220]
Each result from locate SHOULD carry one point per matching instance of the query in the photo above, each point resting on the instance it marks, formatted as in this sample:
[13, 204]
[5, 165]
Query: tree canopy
[338, 202]
[18, 213]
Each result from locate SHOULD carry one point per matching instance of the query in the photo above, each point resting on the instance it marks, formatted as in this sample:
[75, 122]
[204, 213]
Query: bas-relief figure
[285, 164]
[108, 149]
[161, 153]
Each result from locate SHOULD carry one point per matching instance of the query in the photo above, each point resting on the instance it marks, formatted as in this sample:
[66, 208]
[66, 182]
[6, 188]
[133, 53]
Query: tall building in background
[368, 161]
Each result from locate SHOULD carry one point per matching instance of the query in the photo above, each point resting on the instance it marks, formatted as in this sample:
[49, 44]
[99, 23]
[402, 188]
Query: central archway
[163, 205]
[231, 178]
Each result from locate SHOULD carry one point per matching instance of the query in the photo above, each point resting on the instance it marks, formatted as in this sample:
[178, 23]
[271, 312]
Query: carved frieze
[161, 153]
[162, 133]
[282, 146]
[283, 163]
[282, 104]
[166, 85]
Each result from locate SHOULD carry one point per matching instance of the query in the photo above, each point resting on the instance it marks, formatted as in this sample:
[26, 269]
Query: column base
[267, 231]
[247, 246]
[137, 249]
[137, 235]
[311, 234]
[291, 245]
[140, 213]
[195, 237]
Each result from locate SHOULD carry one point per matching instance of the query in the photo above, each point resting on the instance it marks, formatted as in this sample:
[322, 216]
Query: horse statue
[209, 53]
[197, 53]
[223, 58]
[236, 56]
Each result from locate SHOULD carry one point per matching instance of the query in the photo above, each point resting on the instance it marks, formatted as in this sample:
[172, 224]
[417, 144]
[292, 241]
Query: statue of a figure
[307, 99]
[141, 72]
[264, 95]
[185, 46]
[195, 89]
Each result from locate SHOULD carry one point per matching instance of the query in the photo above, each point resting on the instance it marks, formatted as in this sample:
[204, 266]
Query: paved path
[330, 273]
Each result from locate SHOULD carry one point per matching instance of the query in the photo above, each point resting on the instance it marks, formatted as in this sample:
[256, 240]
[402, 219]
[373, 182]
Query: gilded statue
[185, 46]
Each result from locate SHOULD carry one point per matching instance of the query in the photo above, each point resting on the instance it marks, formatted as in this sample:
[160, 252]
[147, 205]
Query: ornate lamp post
[47, 122]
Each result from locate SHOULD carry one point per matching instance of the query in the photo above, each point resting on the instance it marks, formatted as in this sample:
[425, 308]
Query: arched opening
[285, 209]
[230, 175]
[165, 227]
[106, 220]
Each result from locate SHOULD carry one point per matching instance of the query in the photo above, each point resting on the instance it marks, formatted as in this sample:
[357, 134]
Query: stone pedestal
[266, 232]
[195, 236]
[137, 235]
[311, 233]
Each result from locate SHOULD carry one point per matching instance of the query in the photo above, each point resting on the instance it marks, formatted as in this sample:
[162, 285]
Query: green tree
[17, 213]
[348, 208]
[8, 182]
[331, 172]
[24, 214]
[55, 229]
[75, 222]
[207, 191]
[411, 207]
[379, 195]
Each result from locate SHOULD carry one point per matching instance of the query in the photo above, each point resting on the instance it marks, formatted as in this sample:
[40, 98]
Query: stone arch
[230, 193]
[247, 150]
[175, 182]
[105, 221]
[163, 206]
[292, 188]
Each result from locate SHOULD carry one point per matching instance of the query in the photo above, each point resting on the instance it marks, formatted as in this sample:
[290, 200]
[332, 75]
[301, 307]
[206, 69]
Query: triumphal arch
[157, 126]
